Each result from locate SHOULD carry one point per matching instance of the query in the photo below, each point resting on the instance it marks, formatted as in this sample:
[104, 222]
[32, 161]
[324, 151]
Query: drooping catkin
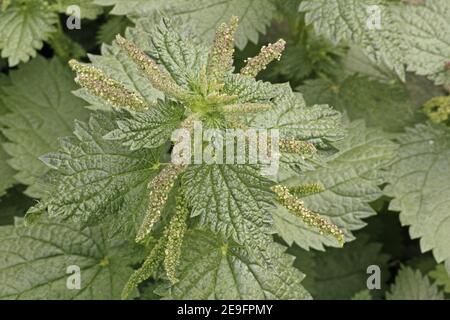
[311, 219]
[159, 79]
[268, 53]
[176, 230]
[147, 269]
[160, 188]
[99, 84]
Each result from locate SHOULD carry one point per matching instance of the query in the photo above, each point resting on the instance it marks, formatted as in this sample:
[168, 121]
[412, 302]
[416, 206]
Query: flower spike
[297, 147]
[147, 269]
[176, 230]
[312, 219]
[307, 189]
[159, 79]
[161, 186]
[268, 53]
[221, 56]
[99, 84]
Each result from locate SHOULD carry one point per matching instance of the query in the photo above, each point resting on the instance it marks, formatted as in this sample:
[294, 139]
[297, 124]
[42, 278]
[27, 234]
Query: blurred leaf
[24, 26]
[412, 285]
[341, 273]
[42, 110]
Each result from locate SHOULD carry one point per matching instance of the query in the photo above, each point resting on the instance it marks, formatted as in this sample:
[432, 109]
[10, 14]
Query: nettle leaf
[214, 269]
[113, 26]
[412, 285]
[174, 46]
[405, 36]
[340, 273]
[88, 9]
[350, 178]
[35, 261]
[24, 25]
[430, 23]
[6, 172]
[294, 119]
[350, 20]
[99, 179]
[149, 129]
[255, 16]
[362, 295]
[247, 89]
[41, 110]
[442, 278]
[420, 185]
[380, 104]
[231, 199]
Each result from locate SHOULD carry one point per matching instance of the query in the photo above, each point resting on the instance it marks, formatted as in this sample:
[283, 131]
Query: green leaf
[341, 273]
[420, 185]
[247, 89]
[356, 61]
[440, 275]
[35, 260]
[425, 30]
[294, 119]
[412, 285]
[255, 16]
[214, 269]
[172, 47]
[42, 109]
[113, 26]
[230, 199]
[348, 20]
[362, 295]
[88, 9]
[148, 129]
[6, 172]
[24, 25]
[98, 179]
[350, 178]
[383, 105]
[406, 36]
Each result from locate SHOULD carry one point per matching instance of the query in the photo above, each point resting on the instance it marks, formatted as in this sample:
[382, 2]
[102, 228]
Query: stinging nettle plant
[127, 151]
[188, 218]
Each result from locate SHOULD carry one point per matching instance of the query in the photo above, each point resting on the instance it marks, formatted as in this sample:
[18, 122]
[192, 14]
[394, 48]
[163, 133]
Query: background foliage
[386, 179]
